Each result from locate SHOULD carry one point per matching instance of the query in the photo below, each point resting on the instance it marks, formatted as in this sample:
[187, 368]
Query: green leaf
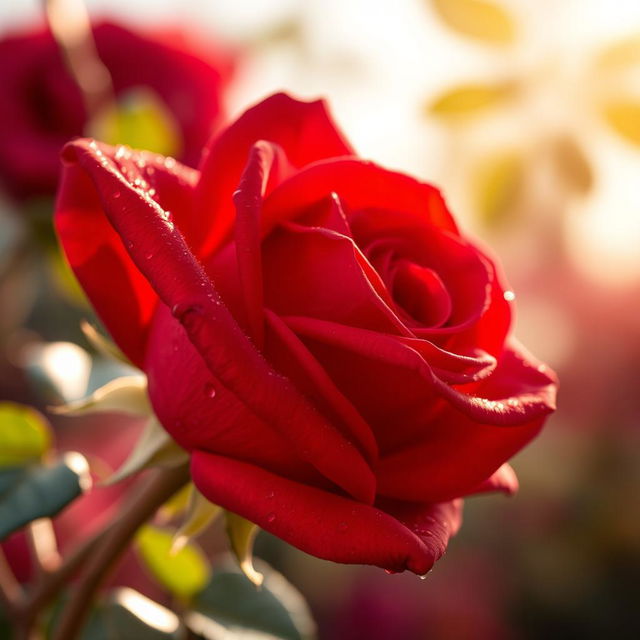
[124, 614]
[200, 514]
[241, 534]
[154, 448]
[141, 120]
[9, 476]
[477, 19]
[43, 492]
[231, 602]
[25, 434]
[127, 395]
[183, 572]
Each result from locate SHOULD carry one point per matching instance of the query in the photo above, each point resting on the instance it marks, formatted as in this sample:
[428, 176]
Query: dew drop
[509, 296]
[270, 495]
[424, 575]
[271, 517]
[209, 390]
[149, 255]
[116, 195]
[184, 312]
[390, 572]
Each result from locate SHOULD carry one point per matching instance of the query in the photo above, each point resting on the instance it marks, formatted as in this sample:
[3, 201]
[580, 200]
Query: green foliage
[42, 492]
[183, 572]
[232, 602]
[124, 614]
[25, 434]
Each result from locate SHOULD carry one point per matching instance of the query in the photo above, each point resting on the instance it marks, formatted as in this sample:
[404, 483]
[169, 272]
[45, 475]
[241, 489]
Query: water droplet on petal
[116, 194]
[271, 517]
[509, 296]
[186, 313]
[424, 575]
[390, 572]
[209, 390]
[149, 255]
[270, 495]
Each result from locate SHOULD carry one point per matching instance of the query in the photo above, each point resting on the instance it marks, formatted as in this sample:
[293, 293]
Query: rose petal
[361, 186]
[302, 266]
[159, 251]
[305, 132]
[492, 408]
[95, 251]
[248, 200]
[503, 480]
[456, 455]
[324, 524]
[288, 354]
[200, 412]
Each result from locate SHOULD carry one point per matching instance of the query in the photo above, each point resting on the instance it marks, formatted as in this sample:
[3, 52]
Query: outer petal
[162, 256]
[503, 480]
[457, 456]
[361, 186]
[120, 294]
[492, 402]
[305, 132]
[324, 524]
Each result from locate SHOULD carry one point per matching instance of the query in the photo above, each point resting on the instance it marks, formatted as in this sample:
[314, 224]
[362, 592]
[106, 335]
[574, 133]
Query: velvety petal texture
[317, 333]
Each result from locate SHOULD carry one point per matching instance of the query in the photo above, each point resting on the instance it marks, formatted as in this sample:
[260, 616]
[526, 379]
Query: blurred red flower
[41, 106]
[316, 331]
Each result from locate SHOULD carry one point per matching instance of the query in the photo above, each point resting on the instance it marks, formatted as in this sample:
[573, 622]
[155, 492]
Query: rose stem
[161, 487]
[10, 590]
[71, 27]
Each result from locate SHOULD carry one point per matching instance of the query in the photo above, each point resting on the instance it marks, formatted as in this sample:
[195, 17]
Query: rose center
[421, 293]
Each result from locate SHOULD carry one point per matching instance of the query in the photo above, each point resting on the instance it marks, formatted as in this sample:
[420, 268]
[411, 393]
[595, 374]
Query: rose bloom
[317, 334]
[42, 107]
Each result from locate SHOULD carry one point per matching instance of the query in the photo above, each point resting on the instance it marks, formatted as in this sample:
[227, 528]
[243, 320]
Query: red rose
[42, 107]
[317, 333]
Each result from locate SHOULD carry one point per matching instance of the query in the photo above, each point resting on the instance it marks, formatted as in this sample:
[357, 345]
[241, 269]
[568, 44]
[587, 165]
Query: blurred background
[526, 113]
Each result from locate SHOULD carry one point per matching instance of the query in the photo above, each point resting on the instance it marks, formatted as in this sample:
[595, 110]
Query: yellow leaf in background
[469, 100]
[497, 186]
[241, 534]
[176, 504]
[183, 572]
[571, 164]
[200, 513]
[141, 120]
[622, 53]
[624, 117]
[477, 19]
[25, 434]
